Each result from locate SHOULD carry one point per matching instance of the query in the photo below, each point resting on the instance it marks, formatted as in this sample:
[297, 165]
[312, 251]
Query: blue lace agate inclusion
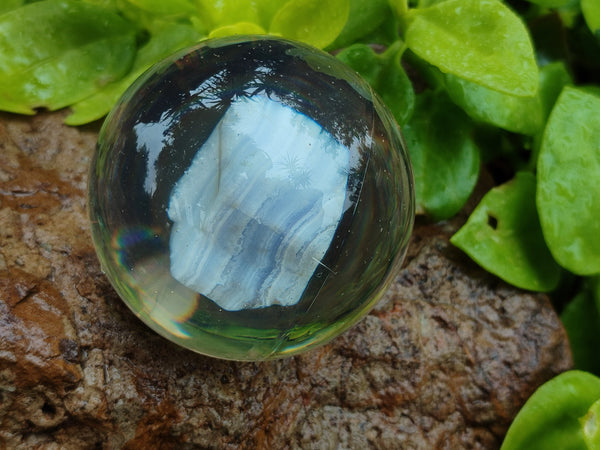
[258, 207]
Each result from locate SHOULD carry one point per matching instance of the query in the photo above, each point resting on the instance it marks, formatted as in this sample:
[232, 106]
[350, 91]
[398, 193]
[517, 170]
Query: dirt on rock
[445, 360]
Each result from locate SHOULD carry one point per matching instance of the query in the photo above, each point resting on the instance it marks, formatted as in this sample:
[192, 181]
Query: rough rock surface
[444, 361]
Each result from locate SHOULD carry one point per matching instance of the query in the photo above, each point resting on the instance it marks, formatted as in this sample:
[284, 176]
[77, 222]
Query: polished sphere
[250, 198]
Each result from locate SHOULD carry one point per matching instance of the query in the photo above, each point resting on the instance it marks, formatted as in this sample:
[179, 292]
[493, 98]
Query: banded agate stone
[266, 192]
[250, 198]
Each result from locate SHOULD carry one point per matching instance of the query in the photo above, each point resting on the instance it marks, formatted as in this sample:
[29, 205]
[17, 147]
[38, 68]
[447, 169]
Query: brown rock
[445, 360]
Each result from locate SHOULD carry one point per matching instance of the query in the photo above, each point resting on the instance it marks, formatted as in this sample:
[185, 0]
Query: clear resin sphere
[250, 198]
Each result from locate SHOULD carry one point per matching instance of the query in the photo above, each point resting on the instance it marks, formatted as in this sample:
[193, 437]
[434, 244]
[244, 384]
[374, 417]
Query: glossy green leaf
[525, 115]
[236, 28]
[550, 418]
[66, 51]
[568, 193]
[7, 5]
[553, 78]
[590, 425]
[215, 14]
[503, 235]
[385, 74]
[385, 35]
[399, 7]
[581, 319]
[160, 45]
[314, 22]
[481, 41]
[227, 12]
[364, 18]
[444, 156]
[165, 8]
[591, 13]
[145, 21]
[266, 10]
[510, 112]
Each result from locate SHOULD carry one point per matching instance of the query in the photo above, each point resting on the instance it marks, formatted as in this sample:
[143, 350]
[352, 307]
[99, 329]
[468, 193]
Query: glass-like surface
[250, 198]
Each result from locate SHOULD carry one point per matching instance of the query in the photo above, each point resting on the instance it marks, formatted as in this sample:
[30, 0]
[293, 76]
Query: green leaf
[145, 21]
[386, 76]
[591, 13]
[503, 235]
[510, 112]
[568, 192]
[236, 28]
[385, 35]
[525, 115]
[7, 5]
[227, 12]
[444, 156]
[168, 40]
[363, 19]
[550, 418]
[314, 22]
[215, 14]
[66, 51]
[581, 320]
[553, 78]
[481, 41]
[165, 8]
[399, 7]
[590, 425]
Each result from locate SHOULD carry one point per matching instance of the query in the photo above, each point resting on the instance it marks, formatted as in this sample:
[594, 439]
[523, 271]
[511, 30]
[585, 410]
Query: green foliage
[7, 5]
[166, 41]
[444, 155]
[213, 14]
[553, 78]
[590, 425]
[591, 13]
[510, 112]
[76, 49]
[481, 41]
[170, 8]
[364, 18]
[581, 318]
[315, 22]
[504, 236]
[385, 74]
[556, 414]
[525, 115]
[568, 193]
[236, 28]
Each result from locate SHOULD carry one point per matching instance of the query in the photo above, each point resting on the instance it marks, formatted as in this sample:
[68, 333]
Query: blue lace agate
[256, 211]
